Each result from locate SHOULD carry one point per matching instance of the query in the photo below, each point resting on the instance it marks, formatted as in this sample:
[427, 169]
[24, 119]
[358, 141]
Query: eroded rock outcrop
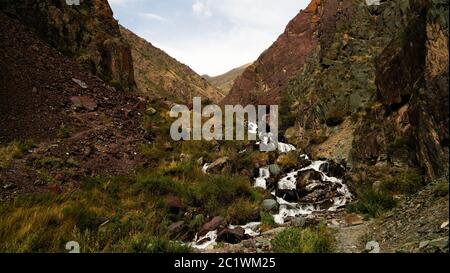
[87, 33]
[375, 89]
[266, 79]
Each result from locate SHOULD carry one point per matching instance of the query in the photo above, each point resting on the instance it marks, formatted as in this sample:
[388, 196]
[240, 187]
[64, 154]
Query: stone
[249, 243]
[298, 221]
[274, 169]
[81, 83]
[273, 232]
[176, 227]
[200, 161]
[84, 102]
[270, 205]
[331, 168]
[174, 204]
[373, 247]
[335, 222]
[218, 166]
[444, 225]
[423, 244]
[231, 236]
[353, 219]
[307, 177]
[373, 2]
[151, 111]
[9, 186]
[441, 243]
[214, 224]
[377, 186]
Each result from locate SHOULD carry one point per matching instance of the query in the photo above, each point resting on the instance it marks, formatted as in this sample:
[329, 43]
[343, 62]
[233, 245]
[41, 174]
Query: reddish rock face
[267, 78]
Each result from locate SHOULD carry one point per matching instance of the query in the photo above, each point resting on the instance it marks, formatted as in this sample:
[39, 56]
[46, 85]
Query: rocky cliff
[267, 78]
[360, 81]
[159, 75]
[375, 90]
[87, 33]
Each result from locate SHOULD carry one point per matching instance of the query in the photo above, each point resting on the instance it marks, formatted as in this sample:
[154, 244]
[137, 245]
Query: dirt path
[349, 239]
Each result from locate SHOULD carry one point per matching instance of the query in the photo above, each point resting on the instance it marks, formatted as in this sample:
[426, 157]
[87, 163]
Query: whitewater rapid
[287, 210]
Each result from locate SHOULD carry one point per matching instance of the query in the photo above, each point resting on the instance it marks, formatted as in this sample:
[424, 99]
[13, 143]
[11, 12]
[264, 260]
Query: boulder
[81, 83]
[231, 236]
[84, 102]
[174, 204]
[176, 227]
[8, 186]
[333, 169]
[218, 166]
[270, 205]
[353, 219]
[215, 223]
[274, 169]
[307, 177]
[298, 221]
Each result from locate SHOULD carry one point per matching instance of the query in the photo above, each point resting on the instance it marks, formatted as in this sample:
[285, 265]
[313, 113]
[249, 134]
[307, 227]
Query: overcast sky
[211, 36]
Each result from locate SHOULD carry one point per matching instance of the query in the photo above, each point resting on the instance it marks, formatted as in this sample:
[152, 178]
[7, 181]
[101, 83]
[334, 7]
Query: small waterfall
[340, 193]
[261, 181]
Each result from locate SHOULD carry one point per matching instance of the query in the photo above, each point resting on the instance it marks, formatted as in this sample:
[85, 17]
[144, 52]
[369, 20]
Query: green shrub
[372, 203]
[49, 163]
[441, 188]
[307, 240]
[408, 181]
[267, 220]
[157, 184]
[14, 150]
[63, 132]
[217, 192]
[144, 244]
[189, 171]
[84, 219]
[241, 212]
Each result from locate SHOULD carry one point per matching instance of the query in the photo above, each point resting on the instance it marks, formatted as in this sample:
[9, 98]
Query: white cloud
[201, 8]
[152, 16]
[251, 27]
[211, 36]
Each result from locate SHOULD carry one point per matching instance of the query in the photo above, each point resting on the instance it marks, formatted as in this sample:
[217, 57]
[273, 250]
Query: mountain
[225, 81]
[86, 155]
[267, 77]
[360, 81]
[69, 114]
[87, 33]
[158, 74]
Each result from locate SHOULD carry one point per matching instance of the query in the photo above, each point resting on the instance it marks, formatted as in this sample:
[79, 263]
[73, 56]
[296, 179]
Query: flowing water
[287, 210]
